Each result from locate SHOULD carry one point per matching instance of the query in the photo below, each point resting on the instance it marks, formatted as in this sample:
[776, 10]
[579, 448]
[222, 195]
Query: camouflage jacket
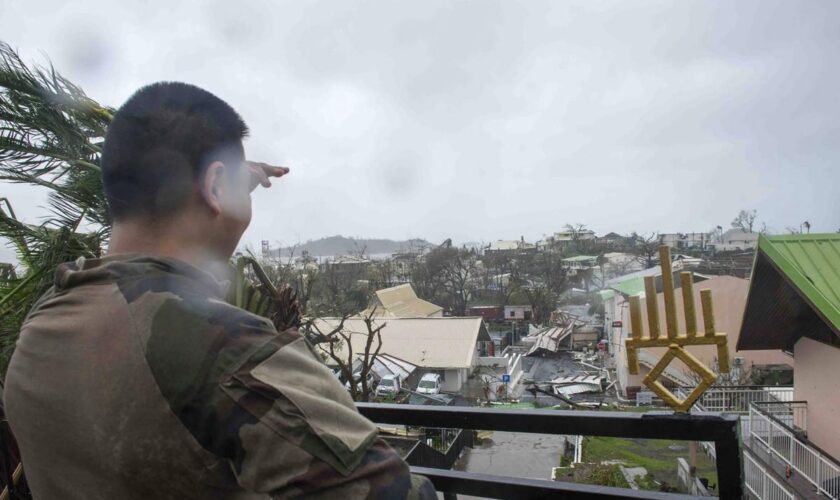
[132, 378]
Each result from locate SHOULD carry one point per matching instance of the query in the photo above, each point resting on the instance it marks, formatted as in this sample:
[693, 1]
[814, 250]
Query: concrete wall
[518, 312]
[817, 381]
[453, 379]
[616, 309]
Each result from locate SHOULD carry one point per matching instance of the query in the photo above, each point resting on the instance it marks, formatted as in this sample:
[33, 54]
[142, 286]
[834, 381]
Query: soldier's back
[85, 405]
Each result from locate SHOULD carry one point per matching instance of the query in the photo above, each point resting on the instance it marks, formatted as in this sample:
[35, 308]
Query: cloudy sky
[484, 120]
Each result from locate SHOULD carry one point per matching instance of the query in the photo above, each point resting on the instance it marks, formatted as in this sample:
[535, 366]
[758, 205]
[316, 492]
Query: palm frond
[50, 135]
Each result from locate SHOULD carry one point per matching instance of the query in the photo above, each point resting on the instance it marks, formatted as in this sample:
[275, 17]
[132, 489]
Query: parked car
[429, 384]
[389, 385]
[357, 376]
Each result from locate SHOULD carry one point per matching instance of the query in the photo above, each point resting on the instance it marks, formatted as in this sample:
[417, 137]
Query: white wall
[518, 312]
[816, 380]
[616, 309]
[453, 379]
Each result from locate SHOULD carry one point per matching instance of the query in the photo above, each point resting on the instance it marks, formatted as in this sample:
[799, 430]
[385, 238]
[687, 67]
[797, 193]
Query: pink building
[794, 307]
[730, 298]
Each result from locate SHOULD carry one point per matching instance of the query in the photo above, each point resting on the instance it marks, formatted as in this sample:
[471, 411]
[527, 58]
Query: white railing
[738, 399]
[735, 399]
[779, 439]
[761, 483]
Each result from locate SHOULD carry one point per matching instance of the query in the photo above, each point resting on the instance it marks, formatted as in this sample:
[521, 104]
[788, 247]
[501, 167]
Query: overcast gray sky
[485, 120]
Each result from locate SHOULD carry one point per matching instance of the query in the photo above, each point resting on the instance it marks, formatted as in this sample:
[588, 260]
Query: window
[512, 314]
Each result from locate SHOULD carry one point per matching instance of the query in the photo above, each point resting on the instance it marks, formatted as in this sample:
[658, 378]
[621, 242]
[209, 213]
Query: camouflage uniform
[132, 378]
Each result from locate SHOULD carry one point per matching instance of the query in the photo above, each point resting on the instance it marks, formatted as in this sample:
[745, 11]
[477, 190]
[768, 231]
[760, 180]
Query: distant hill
[341, 245]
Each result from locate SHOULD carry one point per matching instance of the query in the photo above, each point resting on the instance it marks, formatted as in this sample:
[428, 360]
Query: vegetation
[342, 245]
[745, 220]
[658, 456]
[51, 135]
[606, 475]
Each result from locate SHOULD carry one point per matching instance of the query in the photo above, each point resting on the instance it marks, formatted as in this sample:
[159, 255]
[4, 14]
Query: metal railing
[719, 428]
[793, 414]
[774, 428]
[761, 483]
[737, 399]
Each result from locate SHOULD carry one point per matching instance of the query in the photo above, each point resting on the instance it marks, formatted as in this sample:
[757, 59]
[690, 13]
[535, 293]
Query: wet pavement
[514, 454]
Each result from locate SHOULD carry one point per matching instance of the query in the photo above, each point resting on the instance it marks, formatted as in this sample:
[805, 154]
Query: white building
[685, 240]
[579, 263]
[520, 312]
[736, 239]
[510, 246]
[564, 236]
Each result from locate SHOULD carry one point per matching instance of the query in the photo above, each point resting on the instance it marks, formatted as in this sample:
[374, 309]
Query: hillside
[341, 245]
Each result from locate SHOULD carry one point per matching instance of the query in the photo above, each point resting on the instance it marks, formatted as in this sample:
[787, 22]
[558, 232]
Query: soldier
[133, 379]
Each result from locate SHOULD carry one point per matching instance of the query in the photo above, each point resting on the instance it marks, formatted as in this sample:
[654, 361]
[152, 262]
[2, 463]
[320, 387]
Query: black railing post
[729, 467]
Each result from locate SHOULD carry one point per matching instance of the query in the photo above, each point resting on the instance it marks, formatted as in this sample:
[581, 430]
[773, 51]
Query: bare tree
[576, 230]
[542, 300]
[578, 243]
[359, 250]
[447, 276]
[737, 376]
[499, 271]
[745, 220]
[354, 367]
[646, 249]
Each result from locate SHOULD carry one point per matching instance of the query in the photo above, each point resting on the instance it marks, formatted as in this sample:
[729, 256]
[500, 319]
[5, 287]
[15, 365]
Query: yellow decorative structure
[673, 340]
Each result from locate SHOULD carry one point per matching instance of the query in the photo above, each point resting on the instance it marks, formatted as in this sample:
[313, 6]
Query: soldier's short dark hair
[159, 143]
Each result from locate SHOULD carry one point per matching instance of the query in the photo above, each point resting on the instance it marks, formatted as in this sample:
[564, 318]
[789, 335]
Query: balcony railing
[718, 428]
[761, 483]
[777, 429]
[791, 414]
[737, 399]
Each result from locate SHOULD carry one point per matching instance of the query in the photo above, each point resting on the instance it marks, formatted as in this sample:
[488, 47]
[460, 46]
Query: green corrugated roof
[631, 287]
[812, 263]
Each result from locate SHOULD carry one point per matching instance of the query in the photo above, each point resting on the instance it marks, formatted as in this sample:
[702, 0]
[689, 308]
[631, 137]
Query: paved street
[514, 454]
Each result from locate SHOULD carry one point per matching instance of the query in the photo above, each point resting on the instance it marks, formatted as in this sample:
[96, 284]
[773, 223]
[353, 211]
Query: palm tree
[50, 136]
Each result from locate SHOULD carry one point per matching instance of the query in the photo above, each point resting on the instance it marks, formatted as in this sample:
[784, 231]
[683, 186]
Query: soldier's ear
[211, 186]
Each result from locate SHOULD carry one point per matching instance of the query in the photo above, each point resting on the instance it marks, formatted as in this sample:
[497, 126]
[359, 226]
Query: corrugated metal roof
[425, 342]
[389, 365]
[401, 302]
[631, 287]
[634, 283]
[794, 291]
[812, 262]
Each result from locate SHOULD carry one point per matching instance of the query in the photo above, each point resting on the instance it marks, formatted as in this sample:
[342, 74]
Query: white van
[429, 384]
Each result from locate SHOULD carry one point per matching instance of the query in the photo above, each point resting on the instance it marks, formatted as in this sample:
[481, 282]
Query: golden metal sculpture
[674, 341]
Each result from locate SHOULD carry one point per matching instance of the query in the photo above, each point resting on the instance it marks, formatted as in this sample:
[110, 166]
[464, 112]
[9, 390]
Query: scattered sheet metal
[577, 384]
[555, 337]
